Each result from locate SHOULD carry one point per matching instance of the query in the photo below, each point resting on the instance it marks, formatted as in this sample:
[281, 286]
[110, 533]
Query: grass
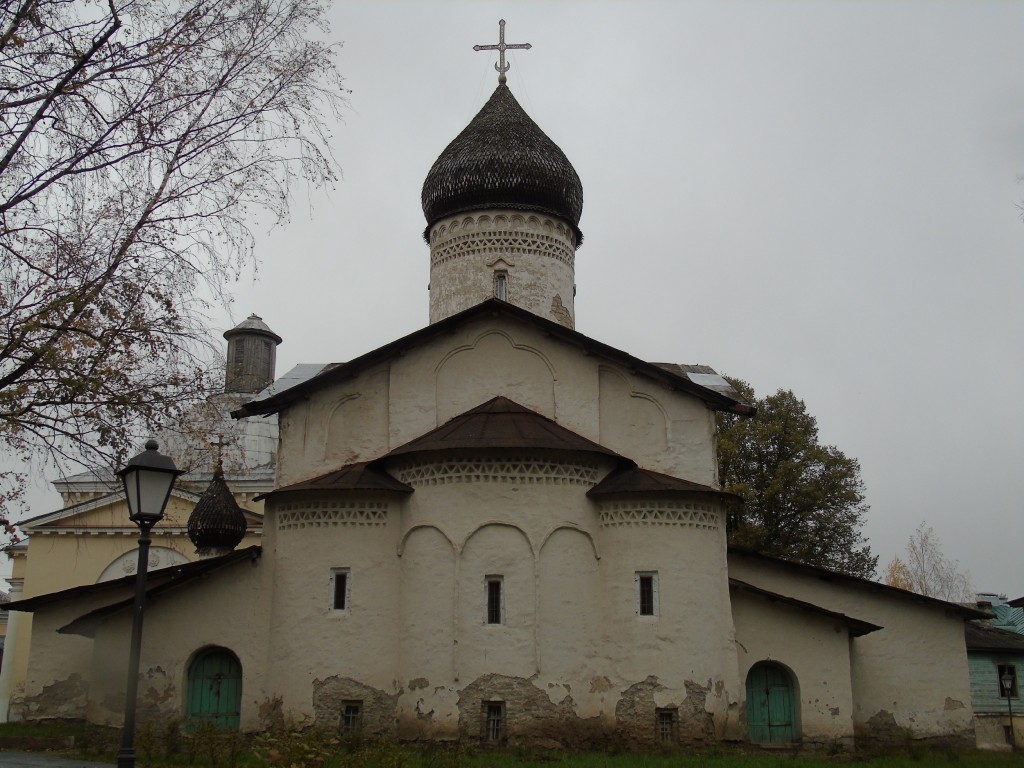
[171, 747]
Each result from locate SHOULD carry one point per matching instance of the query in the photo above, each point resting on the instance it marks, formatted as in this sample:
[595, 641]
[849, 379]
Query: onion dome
[217, 523]
[502, 159]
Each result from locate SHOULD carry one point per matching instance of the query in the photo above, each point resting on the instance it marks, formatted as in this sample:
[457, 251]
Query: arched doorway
[215, 689]
[771, 704]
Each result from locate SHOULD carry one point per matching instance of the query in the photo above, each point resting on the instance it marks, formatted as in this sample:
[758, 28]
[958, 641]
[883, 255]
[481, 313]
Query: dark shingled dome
[502, 159]
[217, 523]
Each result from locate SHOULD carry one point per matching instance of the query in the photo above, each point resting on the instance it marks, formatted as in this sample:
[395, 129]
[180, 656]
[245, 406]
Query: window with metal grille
[1010, 671]
[646, 584]
[494, 720]
[495, 603]
[351, 716]
[668, 725]
[339, 590]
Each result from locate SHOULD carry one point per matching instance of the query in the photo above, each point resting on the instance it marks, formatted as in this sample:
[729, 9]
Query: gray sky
[821, 196]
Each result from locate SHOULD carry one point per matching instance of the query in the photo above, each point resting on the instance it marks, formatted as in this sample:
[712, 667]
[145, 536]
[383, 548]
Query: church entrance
[771, 704]
[215, 689]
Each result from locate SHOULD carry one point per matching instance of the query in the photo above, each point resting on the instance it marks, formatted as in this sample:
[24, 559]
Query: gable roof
[856, 627]
[501, 423]
[826, 574]
[681, 379]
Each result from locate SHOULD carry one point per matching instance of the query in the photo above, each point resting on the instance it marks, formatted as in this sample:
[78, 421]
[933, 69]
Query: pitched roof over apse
[856, 627]
[502, 159]
[351, 477]
[501, 423]
[277, 398]
[983, 637]
[634, 480]
[825, 574]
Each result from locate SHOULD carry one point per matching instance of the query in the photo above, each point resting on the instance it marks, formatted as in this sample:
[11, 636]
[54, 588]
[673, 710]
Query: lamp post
[1007, 680]
[148, 479]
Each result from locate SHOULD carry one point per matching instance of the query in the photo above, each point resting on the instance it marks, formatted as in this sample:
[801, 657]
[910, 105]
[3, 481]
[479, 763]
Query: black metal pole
[1009, 708]
[126, 757]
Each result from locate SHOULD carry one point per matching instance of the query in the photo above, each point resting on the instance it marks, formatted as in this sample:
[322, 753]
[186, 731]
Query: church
[498, 529]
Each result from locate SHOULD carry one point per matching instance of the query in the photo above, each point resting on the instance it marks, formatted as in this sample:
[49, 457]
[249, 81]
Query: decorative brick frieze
[687, 514]
[512, 470]
[329, 514]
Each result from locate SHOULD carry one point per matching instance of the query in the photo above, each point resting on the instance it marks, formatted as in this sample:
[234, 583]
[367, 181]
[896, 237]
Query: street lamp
[1007, 680]
[148, 479]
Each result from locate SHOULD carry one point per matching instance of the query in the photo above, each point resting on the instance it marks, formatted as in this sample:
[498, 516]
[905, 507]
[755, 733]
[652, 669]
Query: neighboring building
[90, 539]
[995, 649]
[497, 528]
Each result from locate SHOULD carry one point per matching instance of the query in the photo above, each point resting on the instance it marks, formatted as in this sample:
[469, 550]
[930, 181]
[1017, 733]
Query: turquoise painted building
[995, 649]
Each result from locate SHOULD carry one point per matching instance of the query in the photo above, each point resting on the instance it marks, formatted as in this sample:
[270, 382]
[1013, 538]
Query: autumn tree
[926, 570]
[138, 139]
[802, 500]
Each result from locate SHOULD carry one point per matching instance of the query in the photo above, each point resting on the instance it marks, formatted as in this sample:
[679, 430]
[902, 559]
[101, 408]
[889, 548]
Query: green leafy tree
[138, 140]
[802, 500]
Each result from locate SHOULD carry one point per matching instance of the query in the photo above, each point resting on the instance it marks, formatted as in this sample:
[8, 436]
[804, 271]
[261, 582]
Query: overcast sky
[819, 196]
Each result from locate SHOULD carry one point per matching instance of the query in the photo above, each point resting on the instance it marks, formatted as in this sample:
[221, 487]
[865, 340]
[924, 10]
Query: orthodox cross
[501, 47]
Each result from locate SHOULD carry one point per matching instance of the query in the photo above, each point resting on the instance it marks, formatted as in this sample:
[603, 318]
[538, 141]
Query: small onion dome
[502, 159]
[217, 523]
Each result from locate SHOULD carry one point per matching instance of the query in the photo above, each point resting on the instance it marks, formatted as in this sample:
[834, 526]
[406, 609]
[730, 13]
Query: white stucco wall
[814, 649]
[535, 252]
[910, 678]
[401, 399]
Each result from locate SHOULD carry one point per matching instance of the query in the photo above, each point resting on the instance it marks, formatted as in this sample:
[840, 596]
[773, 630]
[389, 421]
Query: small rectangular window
[501, 286]
[495, 601]
[668, 725]
[646, 583]
[351, 716]
[494, 720]
[1008, 671]
[341, 585]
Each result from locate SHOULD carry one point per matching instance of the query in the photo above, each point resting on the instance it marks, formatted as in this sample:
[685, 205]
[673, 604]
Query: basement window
[351, 716]
[1003, 670]
[494, 721]
[668, 725]
[495, 599]
[340, 588]
[646, 589]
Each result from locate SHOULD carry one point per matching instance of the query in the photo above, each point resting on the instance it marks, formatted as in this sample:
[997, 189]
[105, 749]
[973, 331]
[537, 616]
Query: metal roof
[502, 159]
[636, 480]
[351, 477]
[158, 580]
[501, 423]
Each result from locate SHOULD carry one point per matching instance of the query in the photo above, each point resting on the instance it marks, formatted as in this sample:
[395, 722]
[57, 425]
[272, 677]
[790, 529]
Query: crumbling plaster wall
[816, 651]
[415, 629]
[909, 679]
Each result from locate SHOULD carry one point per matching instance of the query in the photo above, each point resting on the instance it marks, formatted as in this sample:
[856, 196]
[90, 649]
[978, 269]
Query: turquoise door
[215, 689]
[770, 705]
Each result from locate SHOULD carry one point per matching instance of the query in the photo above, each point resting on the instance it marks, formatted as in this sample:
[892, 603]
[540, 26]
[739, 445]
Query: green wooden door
[770, 705]
[215, 689]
